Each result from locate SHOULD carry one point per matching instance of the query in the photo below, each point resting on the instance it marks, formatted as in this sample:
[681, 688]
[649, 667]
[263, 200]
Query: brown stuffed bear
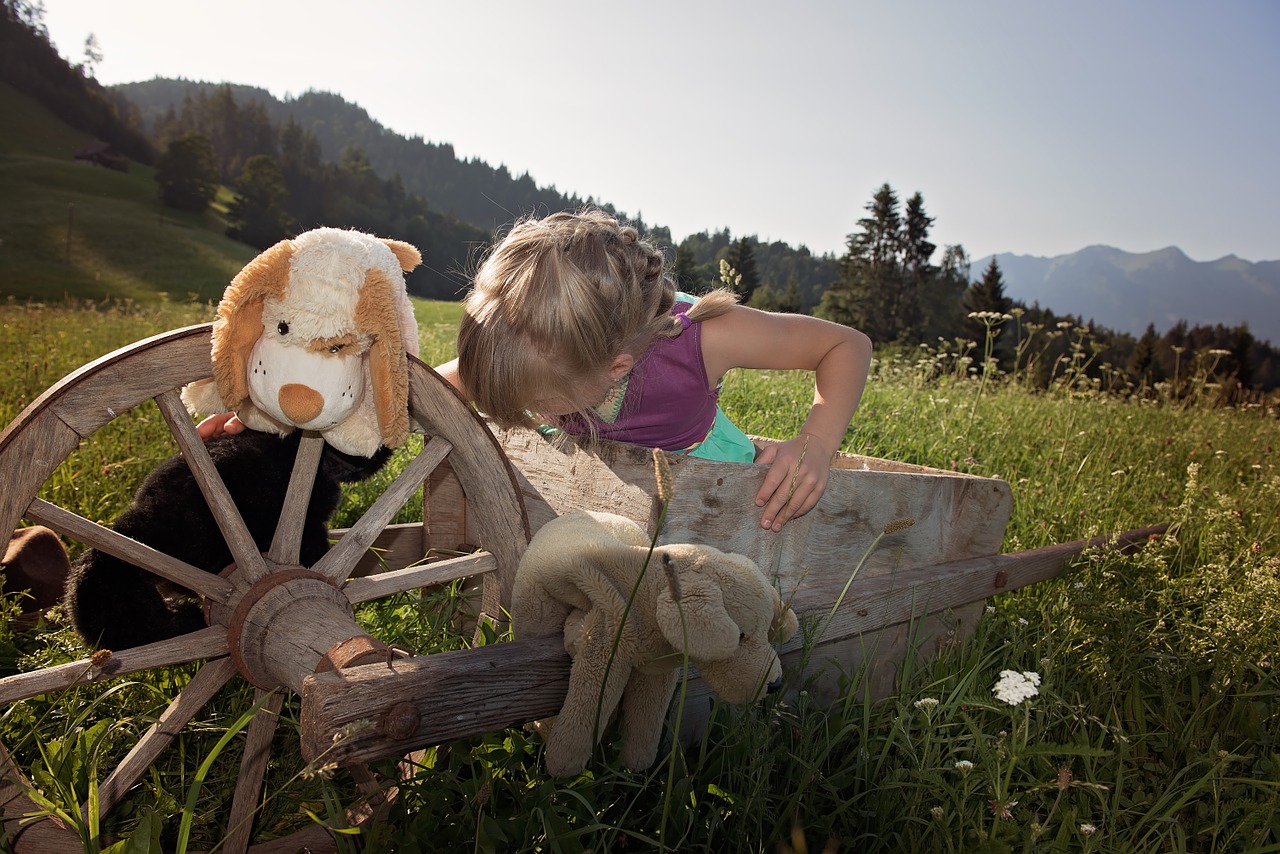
[576, 577]
[35, 561]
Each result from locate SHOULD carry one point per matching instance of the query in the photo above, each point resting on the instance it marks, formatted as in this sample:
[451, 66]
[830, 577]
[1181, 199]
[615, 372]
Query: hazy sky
[1029, 127]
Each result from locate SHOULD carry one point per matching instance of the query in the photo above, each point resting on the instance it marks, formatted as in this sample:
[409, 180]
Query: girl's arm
[840, 358]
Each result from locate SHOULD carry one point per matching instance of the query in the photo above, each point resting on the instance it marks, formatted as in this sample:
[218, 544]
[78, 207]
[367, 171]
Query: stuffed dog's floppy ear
[376, 315]
[408, 256]
[706, 621]
[239, 323]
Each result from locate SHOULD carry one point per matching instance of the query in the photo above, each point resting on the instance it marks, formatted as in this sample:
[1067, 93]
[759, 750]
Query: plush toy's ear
[712, 632]
[408, 256]
[376, 316]
[239, 323]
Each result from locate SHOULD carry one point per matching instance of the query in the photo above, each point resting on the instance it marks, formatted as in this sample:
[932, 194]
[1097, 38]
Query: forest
[319, 160]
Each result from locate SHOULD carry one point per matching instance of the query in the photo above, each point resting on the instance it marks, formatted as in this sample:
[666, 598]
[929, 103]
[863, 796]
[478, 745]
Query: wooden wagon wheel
[271, 621]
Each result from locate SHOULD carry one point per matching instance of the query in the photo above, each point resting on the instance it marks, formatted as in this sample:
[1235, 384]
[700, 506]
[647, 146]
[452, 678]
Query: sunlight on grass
[1154, 726]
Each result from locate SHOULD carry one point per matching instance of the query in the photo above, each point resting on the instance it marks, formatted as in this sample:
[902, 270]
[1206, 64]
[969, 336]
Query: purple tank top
[667, 402]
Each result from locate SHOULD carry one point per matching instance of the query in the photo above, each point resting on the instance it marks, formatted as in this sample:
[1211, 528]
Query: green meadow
[1154, 728]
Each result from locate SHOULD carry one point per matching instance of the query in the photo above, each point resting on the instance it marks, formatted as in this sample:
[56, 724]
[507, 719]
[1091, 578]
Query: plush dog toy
[313, 334]
[576, 578]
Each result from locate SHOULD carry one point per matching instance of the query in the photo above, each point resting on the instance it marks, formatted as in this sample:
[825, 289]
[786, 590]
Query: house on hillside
[103, 154]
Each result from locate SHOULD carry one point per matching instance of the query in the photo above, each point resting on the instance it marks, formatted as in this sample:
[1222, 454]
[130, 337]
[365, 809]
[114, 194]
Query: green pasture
[1156, 727]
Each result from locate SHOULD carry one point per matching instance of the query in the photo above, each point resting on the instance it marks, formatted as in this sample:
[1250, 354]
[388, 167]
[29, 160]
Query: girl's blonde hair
[555, 302]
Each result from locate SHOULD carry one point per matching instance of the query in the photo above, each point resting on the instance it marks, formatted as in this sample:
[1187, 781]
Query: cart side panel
[953, 516]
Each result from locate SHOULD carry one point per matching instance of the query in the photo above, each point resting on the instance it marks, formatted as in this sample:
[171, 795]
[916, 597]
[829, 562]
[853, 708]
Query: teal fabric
[725, 443]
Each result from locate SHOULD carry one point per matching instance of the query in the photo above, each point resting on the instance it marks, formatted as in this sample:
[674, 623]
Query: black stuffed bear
[116, 605]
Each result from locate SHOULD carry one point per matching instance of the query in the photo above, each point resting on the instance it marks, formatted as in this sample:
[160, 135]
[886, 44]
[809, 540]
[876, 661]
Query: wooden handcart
[920, 586]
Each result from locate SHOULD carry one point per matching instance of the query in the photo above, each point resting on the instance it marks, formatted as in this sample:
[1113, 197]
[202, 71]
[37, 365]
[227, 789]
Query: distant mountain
[1126, 291]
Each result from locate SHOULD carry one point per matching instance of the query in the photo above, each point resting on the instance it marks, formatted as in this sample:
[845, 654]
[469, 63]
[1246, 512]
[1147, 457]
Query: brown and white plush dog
[313, 334]
[576, 579]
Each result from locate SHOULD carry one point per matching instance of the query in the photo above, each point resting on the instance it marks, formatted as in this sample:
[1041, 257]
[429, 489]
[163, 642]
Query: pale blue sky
[1033, 128]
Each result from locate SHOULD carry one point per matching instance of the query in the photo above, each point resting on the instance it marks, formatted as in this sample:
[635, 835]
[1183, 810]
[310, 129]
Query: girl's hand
[226, 423]
[798, 471]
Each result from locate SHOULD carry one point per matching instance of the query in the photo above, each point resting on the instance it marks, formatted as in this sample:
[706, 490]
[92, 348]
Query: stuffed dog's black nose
[775, 685]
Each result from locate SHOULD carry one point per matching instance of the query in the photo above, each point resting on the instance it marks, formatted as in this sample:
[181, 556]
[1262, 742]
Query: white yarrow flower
[1014, 687]
[964, 766]
[926, 704]
[1087, 828]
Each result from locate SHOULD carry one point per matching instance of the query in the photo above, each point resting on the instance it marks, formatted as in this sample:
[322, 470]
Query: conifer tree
[188, 173]
[259, 209]
[741, 257]
[986, 297]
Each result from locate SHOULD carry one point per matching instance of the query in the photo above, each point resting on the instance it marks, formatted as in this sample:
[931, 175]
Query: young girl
[572, 318]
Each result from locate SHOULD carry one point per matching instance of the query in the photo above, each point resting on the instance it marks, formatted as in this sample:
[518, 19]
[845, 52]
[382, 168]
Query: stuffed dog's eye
[282, 327]
[336, 348]
[742, 637]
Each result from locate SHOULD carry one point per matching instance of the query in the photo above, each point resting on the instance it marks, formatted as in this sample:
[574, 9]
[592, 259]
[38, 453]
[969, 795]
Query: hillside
[471, 190]
[1126, 291]
[68, 229]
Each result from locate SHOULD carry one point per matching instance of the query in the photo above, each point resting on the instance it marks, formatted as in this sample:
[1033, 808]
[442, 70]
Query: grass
[73, 231]
[1156, 725]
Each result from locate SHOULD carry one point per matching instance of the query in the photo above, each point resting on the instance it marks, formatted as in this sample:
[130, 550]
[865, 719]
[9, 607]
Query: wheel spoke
[208, 680]
[341, 558]
[128, 549]
[411, 578]
[287, 542]
[206, 643]
[224, 510]
[253, 771]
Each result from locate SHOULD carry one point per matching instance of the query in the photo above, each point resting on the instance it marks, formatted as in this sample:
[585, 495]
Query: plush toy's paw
[201, 398]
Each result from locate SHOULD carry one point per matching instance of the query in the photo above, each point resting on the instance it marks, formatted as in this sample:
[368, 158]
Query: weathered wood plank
[223, 507]
[206, 643]
[253, 769]
[286, 544]
[457, 694]
[369, 587]
[337, 564]
[126, 548]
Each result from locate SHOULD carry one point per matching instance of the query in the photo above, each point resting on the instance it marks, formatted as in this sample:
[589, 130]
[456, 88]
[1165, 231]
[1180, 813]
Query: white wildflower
[926, 704]
[1087, 828]
[964, 766]
[1014, 687]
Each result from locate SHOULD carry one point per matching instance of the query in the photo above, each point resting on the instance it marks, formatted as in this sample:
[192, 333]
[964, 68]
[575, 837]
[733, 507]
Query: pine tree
[868, 293]
[258, 211]
[187, 173]
[684, 271]
[987, 299]
[1143, 369]
[741, 257]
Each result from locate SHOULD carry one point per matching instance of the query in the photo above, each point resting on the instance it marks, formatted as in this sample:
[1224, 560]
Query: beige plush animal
[576, 577]
[313, 334]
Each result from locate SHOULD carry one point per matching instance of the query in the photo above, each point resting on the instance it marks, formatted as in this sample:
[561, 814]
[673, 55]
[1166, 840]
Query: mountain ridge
[1126, 291]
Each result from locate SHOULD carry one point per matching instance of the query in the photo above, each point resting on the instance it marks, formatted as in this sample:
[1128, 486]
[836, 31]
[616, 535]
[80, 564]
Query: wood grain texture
[377, 586]
[253, 770]
[953, 516]
[126, 548]
[286, 544]
[206, 643]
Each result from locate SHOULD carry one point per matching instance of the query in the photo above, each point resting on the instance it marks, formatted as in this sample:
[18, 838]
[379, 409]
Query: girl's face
[586, 395]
